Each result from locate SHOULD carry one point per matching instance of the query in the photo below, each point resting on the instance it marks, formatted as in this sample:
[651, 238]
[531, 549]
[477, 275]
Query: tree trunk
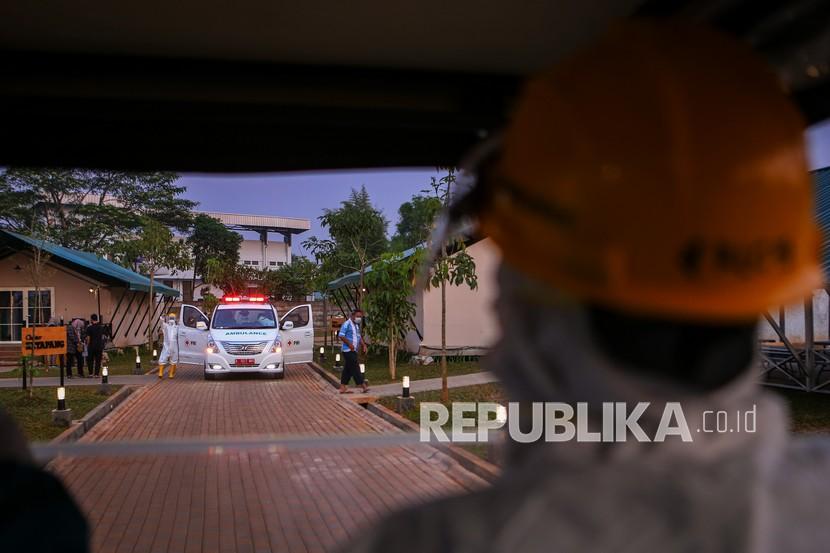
[192, 284]
[360, 288]
[393, 357]
[445, 391]
[150, 313]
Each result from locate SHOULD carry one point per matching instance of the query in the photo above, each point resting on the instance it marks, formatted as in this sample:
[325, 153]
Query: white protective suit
[170, 348]
[728, 492]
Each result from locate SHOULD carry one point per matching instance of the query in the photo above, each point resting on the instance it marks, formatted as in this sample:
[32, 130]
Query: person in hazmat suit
[170, 349]
[651, 200]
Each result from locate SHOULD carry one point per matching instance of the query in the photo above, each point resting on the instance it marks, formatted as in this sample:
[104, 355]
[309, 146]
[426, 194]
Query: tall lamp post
[97, 291]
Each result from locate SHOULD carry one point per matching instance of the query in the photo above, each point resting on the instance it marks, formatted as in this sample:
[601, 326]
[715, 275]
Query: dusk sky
[305, 195]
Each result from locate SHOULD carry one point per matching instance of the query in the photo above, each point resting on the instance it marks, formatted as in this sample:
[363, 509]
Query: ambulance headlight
[276, 347]
[211, 346]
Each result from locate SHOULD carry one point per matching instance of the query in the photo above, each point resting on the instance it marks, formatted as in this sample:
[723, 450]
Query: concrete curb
[473, 463]
[83, 425]
[327, 376]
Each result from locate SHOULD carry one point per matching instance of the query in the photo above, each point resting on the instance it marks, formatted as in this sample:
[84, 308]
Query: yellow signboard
[44, 340]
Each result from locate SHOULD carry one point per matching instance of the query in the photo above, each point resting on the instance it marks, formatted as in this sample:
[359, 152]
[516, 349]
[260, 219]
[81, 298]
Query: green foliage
[292, 281]
[92, 211]
[459, 268]
[154, 247]
[209, 303]
[358, 236]
[455, 270]
[210, 239]
[417, 217]
[229, 277]
[388, 305]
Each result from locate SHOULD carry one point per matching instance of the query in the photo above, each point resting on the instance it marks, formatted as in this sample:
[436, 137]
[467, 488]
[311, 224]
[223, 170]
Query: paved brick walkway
[251, 501]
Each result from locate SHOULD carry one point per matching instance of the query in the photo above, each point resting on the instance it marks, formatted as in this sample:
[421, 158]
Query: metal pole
[26, 358]
[809, 342]
[325, 321]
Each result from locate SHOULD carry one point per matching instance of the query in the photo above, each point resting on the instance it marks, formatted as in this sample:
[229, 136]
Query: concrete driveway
[248, 501]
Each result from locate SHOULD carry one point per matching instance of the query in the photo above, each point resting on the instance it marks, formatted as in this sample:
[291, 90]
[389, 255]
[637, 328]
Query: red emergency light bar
[245, 299]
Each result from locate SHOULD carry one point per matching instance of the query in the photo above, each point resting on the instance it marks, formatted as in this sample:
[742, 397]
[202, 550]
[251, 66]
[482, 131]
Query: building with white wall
[262, 253]
[472, 324]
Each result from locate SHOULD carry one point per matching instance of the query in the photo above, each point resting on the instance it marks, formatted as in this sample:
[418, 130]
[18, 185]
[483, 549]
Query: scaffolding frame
[805, 368]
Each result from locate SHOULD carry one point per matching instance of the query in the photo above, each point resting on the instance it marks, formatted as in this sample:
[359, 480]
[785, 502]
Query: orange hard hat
[661, 170]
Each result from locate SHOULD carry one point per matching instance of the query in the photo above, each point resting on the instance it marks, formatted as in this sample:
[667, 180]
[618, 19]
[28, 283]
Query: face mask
[358, 320]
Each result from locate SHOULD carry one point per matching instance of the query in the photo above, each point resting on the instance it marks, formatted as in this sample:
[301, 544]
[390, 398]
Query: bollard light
[105, 373]
[322, 354]
[336, 360]
[155, 355]
[137, 362]
[405, 387]
[362, 368]
[61, 398]
[501, 414]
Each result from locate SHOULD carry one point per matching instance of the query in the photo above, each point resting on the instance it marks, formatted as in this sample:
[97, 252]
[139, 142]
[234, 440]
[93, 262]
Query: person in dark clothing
[95, 340]
[75, 347]
[352, 343]
[37, 513]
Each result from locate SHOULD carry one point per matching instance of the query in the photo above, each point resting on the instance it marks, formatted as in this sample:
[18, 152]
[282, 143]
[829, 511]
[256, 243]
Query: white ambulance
[246, 335]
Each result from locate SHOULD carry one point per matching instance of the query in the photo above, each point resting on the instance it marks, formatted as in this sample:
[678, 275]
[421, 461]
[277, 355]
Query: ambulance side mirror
[200, 325]
[288, 325]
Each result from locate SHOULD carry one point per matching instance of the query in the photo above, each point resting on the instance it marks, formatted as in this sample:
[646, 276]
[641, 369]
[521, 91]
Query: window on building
[247, 262]
[254, 262]
[280, 263]
[40, 307]
[272, 263]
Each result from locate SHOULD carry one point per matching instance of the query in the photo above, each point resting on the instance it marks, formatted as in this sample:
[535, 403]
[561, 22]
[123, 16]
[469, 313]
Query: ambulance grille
[243, 348]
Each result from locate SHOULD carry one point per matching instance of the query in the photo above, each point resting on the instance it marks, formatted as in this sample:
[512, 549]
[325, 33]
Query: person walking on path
[95, 340]
[350, 336]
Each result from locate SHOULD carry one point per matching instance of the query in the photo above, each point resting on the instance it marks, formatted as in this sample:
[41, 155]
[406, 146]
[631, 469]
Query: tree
[229, 277]
[92, 211]
[210, 239]
[155, 247]
[389, 309]
[417, 217]
[358, 236]
[455, 270]
[292, 281]
[37, 269]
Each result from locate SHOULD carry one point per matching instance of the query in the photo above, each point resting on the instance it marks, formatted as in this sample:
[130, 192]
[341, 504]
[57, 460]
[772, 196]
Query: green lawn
[34, 414]
[481, 392]
[808, 412]
[377, 367]
[122, 363]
